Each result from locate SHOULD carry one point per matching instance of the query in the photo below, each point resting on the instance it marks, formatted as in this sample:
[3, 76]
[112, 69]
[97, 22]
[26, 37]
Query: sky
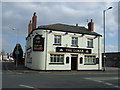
[16, 16]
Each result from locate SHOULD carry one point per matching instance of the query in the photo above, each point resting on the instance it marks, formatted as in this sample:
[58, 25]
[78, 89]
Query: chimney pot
[91, 26]
[30, 27]
[34, 21]
[91, 20]
[34, 14]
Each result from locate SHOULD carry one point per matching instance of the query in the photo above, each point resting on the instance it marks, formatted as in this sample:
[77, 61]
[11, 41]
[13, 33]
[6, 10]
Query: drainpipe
[99, 52]
[46, 51]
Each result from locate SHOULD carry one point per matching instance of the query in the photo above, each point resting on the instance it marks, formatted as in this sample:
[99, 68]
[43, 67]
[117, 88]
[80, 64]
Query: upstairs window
[57, 40]
[74, 41]
[90, 43]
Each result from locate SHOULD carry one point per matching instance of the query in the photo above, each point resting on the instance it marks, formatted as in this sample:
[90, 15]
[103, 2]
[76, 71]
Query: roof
[68, 28]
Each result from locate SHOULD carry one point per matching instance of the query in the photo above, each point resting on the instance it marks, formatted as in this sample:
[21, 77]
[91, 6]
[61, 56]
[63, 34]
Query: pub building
[62, 47]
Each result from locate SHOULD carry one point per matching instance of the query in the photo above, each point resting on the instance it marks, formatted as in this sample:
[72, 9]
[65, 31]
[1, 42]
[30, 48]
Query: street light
[104, 36]
[16, 52]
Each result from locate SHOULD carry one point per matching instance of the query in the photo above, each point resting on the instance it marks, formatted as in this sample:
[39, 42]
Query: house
[62, 47]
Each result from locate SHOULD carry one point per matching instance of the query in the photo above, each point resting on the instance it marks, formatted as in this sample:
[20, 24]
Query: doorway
[74, 62]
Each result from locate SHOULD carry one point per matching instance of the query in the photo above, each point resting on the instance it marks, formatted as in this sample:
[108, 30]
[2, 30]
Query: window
[81, 60]
[90, 43]
[90, 60]
[74, 41]
[67, 59]
[57, 39]
[56, 58]
[97, 60]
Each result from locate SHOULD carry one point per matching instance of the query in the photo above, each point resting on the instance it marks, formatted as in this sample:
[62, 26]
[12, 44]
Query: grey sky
[17, 15]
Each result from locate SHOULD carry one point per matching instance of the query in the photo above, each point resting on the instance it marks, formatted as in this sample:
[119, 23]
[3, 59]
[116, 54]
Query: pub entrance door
[74, 59]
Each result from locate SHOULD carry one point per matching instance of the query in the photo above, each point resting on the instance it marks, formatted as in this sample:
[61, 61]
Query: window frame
[89, 60]
[57, 39]
[56, 59]
[67, 60]
[89, 43]
[75, 40]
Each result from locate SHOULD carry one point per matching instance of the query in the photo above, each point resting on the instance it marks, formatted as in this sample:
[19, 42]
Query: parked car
[117, 64]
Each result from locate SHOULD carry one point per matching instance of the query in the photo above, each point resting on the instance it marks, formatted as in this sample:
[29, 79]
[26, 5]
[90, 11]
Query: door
[74, 63]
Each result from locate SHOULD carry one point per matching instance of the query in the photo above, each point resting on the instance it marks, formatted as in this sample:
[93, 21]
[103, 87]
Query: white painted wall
[41, 60]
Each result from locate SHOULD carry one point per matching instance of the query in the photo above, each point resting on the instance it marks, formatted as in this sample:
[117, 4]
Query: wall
[66, 42]
[38, 57]
[41, 60]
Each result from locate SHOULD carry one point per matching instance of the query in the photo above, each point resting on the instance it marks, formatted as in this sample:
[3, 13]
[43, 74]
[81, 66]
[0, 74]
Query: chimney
[91, 26]
[34, 21]
[29, 27]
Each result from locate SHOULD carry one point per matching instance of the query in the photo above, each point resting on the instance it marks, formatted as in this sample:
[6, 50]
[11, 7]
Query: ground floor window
[90, 60]
[56, 58]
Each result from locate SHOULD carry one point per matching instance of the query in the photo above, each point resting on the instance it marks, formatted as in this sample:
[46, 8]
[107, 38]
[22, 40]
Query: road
[58, 79]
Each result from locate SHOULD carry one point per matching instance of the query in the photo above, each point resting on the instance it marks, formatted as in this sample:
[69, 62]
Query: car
[117, 64]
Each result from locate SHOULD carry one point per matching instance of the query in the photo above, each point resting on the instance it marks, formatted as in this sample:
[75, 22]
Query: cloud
[18, 14]
[110, 48]
[111, 34]
[61, 1]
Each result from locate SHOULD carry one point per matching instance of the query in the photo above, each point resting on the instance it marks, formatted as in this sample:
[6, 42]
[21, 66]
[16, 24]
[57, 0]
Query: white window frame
[57, 39]
[74, 41]
[56, 58]
[90, 43]
[90, 60]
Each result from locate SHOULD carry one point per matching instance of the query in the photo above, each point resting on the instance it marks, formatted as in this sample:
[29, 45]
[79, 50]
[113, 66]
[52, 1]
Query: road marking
[88, 78]
[26, 86]
[94, 80]
[116, 86]
[108, 83]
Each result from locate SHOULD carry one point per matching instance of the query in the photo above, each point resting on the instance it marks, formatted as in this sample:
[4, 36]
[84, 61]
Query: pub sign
[73, 50]
[38, 43]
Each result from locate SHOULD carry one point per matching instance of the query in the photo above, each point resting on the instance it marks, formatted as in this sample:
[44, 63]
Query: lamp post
[104, 35]
[16, 52]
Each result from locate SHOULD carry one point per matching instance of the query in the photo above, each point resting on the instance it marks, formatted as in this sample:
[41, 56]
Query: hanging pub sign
[38, 43]
[73, 50]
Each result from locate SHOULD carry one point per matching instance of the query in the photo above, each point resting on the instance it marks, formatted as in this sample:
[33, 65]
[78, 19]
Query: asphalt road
[58, 79]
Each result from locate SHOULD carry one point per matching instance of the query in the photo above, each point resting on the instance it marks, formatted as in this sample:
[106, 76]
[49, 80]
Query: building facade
[62, 47]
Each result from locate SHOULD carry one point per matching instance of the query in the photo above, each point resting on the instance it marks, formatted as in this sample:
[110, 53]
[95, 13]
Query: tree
[18, 53]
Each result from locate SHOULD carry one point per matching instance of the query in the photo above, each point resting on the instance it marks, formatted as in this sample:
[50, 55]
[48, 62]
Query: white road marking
[116, 86]
[108, 83]
[98, 80]
[26, 86]
[88, 78]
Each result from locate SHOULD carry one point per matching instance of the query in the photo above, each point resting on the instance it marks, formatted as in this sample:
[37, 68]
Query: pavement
[10, 66]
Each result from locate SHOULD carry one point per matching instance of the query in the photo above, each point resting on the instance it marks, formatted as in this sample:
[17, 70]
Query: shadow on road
[12, 66]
